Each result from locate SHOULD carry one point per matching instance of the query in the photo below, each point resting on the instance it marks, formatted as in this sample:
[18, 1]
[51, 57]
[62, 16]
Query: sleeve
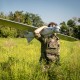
[38, 37]
[57, 37]
[58, 47]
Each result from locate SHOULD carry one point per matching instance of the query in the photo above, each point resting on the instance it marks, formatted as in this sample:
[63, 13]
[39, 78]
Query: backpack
[52, 43]
[52, 50]
[53, 46]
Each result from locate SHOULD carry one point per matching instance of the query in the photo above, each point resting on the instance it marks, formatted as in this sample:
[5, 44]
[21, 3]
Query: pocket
[51, 57]
[52, 51]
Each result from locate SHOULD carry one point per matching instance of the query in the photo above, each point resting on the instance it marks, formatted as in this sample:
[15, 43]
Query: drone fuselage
[49, 30]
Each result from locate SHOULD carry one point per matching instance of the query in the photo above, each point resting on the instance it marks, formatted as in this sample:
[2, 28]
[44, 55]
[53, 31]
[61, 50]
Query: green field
[20, 60]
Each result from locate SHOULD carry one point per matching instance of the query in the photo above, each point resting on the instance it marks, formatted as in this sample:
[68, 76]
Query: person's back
[52, 50]
[49, 46]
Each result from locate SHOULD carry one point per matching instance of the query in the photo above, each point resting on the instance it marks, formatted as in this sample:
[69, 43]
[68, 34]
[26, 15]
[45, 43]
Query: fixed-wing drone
[28, 30]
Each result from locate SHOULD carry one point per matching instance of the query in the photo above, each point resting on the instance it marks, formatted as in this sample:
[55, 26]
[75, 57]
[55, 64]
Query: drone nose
[57, 29]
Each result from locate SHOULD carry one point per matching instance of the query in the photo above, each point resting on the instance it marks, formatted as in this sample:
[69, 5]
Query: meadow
[19, 60]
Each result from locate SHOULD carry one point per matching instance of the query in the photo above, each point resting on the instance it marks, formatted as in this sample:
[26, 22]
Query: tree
[77, 31]
[2, 15]
[11, 16]
[33, 19]
[71, 23]
[79, 20]
[18, 16]
[27, 19]
[64, 28]
[36, 20]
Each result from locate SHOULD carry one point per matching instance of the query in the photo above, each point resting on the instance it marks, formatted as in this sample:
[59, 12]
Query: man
[49, 45]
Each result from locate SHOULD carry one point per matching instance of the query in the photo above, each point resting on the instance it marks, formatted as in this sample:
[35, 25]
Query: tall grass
[19, 60]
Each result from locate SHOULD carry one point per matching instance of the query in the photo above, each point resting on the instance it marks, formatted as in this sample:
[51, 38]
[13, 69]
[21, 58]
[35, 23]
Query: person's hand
[44, 26]
[38, 30]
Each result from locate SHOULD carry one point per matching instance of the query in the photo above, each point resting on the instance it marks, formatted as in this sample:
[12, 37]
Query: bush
[8, 32]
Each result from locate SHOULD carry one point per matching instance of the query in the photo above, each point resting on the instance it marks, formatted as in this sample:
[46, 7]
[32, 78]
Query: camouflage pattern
[49, 49]
[53, 48]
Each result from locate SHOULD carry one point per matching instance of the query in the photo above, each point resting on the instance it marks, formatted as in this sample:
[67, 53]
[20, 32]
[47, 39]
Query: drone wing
[24, 27]
[17, 25]
[65, 37]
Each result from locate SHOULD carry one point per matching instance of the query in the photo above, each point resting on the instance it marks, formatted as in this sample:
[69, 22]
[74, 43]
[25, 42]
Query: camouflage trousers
[48, 61]
[48, 65]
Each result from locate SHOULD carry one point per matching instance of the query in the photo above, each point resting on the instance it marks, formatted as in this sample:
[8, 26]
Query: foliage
[71, 27]
[79, 20]
[77, 31]
[71, 23]
[19, 16]
[27, 18]
[33, 19]
[8, 32]
[20, 61]
[64, 28]
[11, 16]
[2, 15]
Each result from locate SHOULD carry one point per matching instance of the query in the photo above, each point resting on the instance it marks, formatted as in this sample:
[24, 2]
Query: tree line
[70, 28]
[19, 16]
[27, 18]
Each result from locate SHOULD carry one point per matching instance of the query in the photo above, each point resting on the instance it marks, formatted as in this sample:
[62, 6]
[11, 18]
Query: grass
[20, 61]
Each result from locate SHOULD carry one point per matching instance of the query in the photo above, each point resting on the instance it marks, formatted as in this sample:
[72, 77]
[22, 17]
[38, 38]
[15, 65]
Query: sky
[49, 10]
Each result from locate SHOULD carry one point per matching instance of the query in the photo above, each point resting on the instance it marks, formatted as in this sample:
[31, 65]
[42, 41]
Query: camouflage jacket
[50, 45]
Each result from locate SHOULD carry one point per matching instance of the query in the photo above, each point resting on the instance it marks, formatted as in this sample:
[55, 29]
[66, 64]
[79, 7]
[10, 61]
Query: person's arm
[37, 31]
